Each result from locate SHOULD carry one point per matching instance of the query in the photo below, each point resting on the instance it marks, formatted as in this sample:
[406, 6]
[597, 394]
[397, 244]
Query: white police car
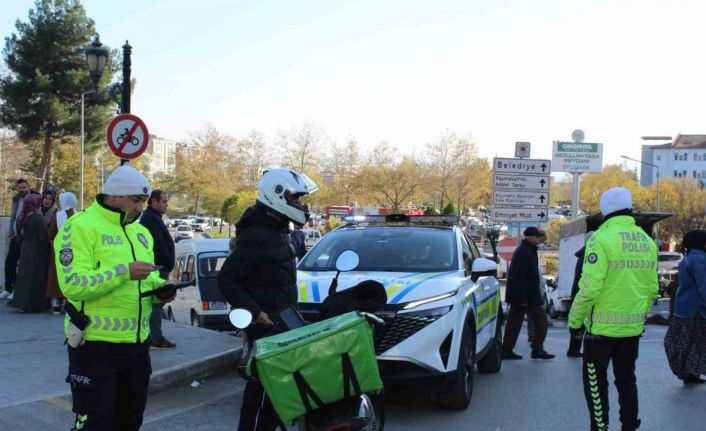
[443, 313]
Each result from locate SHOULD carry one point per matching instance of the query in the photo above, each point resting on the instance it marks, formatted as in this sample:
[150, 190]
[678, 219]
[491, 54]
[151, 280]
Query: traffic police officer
[617, 288]
[105, 261]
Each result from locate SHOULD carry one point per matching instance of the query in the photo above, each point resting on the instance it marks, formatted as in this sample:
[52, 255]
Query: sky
[403, 72]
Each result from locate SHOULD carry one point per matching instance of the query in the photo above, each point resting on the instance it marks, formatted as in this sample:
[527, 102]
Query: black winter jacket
[577, 272]
[260, 273]
[163, 244]
[523, 277]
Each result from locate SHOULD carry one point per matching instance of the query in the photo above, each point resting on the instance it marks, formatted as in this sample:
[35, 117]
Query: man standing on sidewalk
[13, 253]
[617, 287]
[164, 257]
[106, 264]
[524, 296]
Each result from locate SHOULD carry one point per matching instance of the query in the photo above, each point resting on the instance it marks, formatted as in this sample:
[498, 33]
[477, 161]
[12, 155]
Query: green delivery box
[318, 364]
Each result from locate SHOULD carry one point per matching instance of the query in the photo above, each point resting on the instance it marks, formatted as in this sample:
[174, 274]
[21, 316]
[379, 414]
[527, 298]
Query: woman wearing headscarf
[685, 342]
[67, 202]
[34, 258]
[49, 207]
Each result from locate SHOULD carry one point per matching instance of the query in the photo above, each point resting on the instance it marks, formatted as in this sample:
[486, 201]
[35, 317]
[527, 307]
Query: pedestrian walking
[106, 263]
[13, 252]
[617, 288]
[685, 342]
[523, 295]
[576, 335]
[164, 257]
[67, 202]
[31, 286]
[260, 274]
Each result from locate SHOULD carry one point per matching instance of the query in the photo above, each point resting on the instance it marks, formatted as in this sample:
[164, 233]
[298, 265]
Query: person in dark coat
[31, 285]
[298, 241]
[523, 295]
[13, 252]
[576, 336]
[164, 256]
[260, 274]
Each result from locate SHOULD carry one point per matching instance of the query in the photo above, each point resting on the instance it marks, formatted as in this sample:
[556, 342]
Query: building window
[686, 156]
[676, 156]
[683, 173]
[694, 156]
[694, 174]
[675, 174]
[659, 157]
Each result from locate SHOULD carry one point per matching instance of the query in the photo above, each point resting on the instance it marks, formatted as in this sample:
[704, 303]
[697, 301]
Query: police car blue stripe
[413, 286]
[315, 291]
[487, 323]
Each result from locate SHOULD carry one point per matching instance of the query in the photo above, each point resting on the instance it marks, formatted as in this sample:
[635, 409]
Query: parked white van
[201, 304]
[312, 237]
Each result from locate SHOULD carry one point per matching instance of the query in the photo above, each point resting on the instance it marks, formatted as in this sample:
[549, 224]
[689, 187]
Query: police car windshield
[389, 249]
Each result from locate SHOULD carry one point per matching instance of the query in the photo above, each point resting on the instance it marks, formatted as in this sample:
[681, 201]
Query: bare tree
[301, 147]
[390, 180]
[439, 156]
[254, 154]
[12, 156]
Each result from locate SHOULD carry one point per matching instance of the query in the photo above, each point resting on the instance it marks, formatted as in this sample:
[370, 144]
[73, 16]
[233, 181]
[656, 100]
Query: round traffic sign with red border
[506, 247]
[127, 136]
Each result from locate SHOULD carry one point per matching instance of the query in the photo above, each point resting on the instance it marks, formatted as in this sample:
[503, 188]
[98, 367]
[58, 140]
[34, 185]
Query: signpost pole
[575, 196]
[125, 99]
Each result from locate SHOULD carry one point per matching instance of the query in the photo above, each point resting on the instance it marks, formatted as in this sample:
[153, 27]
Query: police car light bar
[402, 218]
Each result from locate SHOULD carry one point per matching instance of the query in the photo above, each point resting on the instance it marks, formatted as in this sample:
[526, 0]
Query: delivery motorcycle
[364, 412]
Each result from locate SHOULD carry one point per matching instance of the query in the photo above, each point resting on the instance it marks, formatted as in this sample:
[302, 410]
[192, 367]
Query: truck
[572, 236]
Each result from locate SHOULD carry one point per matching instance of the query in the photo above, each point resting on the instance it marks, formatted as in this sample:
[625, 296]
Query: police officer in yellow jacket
[104, 263]
[617, 288]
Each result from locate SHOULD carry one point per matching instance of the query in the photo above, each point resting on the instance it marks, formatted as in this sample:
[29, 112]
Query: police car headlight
[432, 312]
[415, 304]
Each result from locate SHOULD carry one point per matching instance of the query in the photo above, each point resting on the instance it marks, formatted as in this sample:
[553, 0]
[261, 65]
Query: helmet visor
[311, 186]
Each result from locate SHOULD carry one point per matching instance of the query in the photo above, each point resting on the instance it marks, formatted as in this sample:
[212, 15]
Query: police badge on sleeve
[143, 240]
[66, 256]
[592, 258]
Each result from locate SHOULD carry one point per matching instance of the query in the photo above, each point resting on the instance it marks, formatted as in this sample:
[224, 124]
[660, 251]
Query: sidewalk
[35, 363]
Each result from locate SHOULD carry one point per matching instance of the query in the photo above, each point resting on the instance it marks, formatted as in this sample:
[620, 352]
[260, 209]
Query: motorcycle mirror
[240, 318]
[347, 261]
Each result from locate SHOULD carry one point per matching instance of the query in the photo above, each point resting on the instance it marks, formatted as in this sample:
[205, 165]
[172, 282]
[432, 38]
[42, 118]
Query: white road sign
[519, 198]
[519, 214]
[521, 166]
[521, 182]
[577, 157]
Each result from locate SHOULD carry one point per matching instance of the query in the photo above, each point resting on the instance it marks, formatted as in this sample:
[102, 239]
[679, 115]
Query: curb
[185, 373]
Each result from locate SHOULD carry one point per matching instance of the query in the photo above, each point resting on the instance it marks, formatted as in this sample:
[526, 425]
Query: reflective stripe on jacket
[93, 251]
[618, 282]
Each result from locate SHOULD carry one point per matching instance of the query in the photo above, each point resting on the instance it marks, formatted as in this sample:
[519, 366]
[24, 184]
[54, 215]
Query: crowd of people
[31, 283]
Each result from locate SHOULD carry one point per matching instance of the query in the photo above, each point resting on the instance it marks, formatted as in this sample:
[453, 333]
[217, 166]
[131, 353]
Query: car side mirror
[185, 276]
[482, 267]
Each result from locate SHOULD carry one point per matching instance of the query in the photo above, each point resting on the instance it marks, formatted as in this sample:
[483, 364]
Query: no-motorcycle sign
[127, 136]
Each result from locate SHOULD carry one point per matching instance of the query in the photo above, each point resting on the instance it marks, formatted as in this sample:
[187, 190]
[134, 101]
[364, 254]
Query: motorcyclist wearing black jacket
[260, 274]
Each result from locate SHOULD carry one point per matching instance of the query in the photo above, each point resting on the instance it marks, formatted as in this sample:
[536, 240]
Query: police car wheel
[458, 394]
[492, 362]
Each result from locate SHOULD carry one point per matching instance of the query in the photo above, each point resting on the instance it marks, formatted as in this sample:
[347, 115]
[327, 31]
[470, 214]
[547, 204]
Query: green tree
[46, 74]
[449, 209]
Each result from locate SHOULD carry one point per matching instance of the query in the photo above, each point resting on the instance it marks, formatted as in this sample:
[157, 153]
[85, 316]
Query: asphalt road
[526, 395]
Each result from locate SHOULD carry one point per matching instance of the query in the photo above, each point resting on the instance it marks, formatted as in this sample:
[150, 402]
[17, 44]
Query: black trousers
[598, 352]
[514, 324]
[13, 256]
[257, 413]
[109, 384]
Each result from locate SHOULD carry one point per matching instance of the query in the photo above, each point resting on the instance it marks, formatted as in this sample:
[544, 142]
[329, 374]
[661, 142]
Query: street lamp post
[657, 167]
[96, 57]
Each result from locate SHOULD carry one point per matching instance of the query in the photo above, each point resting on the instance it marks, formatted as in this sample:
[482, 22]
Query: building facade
[683, 157]
[161, 154]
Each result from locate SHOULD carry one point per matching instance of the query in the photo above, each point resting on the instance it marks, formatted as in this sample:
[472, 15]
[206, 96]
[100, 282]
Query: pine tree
[45, 76]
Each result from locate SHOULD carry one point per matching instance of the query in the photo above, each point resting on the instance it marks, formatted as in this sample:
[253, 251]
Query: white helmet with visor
[281, 190]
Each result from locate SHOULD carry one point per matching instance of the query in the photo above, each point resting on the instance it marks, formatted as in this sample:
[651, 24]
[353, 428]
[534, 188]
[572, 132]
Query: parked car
[202, 304]
[443, 313]
[668, 260]
[184, 232]
[200, 224]
[312, 237]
